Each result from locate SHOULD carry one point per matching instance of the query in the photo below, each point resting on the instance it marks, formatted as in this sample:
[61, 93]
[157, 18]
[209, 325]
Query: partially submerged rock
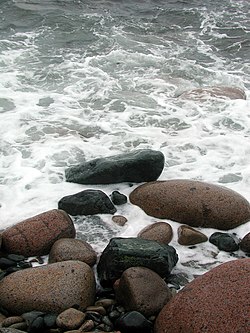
[190, 236]
[195, 203]
[87, 202]
[36, 235]
[215, 92]
[161, 232]
[122, 253]
[138, 166]
[51, 288]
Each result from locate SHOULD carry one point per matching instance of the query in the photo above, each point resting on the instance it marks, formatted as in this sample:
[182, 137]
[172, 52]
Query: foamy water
[83, 79]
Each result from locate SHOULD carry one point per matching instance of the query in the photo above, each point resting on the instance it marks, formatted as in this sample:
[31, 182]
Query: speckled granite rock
[140, 289]
[72, 249]
[161, 232]
[51, 288]
[217, 301]
[193, 203]
[141, 165]
[70, 319]
[36, 235]
[245, 243]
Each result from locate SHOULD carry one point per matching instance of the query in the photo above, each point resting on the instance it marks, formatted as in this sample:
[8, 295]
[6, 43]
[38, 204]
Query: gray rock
[225, 242]
[87, 202]
[118, 198]
[122, 253]
[139, 166]
[50, 288]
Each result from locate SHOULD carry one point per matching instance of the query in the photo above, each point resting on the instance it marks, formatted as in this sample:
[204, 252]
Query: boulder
[36, 235]
[195, 203]
[50, 288]
[72, 249]
[217, 301]
[138, 166]
[161, 232]
[245, 243]
[122, 253]
[140, 289]
[215, 92]
[87, 202]
[225, 242]
[189, 236]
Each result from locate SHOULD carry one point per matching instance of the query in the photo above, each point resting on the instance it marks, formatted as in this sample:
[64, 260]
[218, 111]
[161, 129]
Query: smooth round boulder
[190, 236]
[195, 203]
[217, 301]
[50, 288]
[245, 243]
[161, 232]
[36, 235]
[141, 289]
[214, 92]
[72, 249]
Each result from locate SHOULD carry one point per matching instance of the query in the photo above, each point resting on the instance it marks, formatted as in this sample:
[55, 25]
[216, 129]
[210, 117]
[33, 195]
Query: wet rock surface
[138, 166]
[161, 232]
[224, 241]
[190, 236]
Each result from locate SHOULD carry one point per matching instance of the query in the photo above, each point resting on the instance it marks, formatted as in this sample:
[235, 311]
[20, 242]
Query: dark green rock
[88, 202]
[122, 253]
[225, 242]
[133, 322]
[118, 198]
[142, 165]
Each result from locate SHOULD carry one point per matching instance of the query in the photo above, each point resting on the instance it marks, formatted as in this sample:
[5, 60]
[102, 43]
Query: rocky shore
[53, 282]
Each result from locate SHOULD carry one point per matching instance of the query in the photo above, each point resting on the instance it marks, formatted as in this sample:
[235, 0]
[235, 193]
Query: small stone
[99, 309]
[189, 236]
[6, 263]
[12, 320]
[225, 242]
[245, 243]
[119, 220]
[93, 315]
[19, 326]
[118, 198]
[87, 326]
[37, 325]
[29, 317]
[50, 320]
[133, 322]
[105, 302]
[16, 257]
[160, 232]
[107, 321]
[70, 319]
[114, 315]
[2, 318]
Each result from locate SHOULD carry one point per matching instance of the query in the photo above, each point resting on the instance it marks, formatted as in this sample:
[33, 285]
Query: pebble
[225, 242]
[12, 320]
[70, 319]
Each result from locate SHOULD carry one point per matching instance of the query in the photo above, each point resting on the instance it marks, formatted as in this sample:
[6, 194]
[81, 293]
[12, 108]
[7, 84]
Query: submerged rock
[51, 288]
[36, 235]
[217, 301]
[122, 253]
[138, 166]
[217, 92]
[87, 202]
[193, 203]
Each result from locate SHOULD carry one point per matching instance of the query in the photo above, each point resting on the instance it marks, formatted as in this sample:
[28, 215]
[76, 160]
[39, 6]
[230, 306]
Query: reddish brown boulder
[245, 243]
[140, 289]
[217, 301]
[70, 319]
[161, 232]
[72, 249]
[36, 235]
[51, 288]
[190, 236]
[192, 202]
[215, 92]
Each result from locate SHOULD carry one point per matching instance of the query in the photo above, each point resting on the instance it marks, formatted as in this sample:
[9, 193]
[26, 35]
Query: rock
[50, 288]
[118, 198]
[9, 330]
[138, 166]
[122, 253]
[87, 326]
[245, 243]
[119, 220]
[0, 240]
[224, 242]
[140, 289]
[195, 203]
[72, 249]
[217, 301]
[105, 302]
[217, 92]
[36, 235]
[190, 236]
[161, 232]
[70, 319]
[12, 320]
[133, 322]
[87, 202]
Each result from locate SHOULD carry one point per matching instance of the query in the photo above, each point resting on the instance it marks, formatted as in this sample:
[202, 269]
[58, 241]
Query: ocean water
[81, 79]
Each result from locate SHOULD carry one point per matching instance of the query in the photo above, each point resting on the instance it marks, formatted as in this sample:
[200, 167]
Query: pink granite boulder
[36, 235]
[195, 203]
[72, 249]
[141, 289]
[50, 288]
[161, 232]
[217, 301]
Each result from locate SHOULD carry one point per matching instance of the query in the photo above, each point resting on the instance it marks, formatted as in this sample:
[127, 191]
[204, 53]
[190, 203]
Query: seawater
[85, 79]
